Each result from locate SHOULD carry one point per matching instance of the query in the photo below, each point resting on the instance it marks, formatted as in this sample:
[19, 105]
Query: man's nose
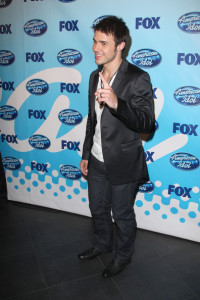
[95, 47]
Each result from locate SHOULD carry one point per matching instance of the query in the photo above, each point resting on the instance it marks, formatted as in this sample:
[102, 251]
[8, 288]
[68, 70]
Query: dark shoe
[114, 268]
[91, 253]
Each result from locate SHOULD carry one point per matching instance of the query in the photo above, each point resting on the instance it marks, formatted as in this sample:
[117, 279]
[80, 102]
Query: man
[3, 188]
[120, 107]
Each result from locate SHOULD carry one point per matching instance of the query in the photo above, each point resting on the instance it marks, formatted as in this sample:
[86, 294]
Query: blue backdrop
[45, 61]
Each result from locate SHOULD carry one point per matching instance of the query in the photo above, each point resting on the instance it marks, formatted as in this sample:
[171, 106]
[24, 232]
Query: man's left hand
[106, 94]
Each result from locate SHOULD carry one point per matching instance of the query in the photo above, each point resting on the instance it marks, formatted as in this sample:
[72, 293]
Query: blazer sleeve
[137, 111]
[87, 145]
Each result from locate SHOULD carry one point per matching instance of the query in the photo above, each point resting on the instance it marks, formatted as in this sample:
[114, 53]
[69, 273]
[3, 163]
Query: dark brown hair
[116, 27]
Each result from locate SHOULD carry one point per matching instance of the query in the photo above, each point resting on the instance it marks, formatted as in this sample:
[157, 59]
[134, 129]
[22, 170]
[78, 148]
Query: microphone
[101, 104]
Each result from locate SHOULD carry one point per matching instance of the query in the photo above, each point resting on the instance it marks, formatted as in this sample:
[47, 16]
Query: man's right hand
[84, 166]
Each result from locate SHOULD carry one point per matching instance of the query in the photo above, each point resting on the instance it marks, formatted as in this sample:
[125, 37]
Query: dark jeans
[105, 197]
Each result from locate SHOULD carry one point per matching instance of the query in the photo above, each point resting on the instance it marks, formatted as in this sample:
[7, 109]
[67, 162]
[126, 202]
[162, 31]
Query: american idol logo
[188, 95]
[11, 163]
[35, 27]
[37, 87]
[69, 57]
[184, 161]
[96, 21]
[146, 187]
[70, 172]
[39, 141]
[190, 22]
[4, 3]
[70, 117]
[146, 58]
[66, 1]
[6, 58]
[8, 112]
[156, 125]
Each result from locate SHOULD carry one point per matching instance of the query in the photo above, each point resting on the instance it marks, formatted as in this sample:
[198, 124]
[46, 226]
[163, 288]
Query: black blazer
[120, 130]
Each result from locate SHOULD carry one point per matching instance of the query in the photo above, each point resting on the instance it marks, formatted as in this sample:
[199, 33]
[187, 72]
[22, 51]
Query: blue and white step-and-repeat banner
[45, 61]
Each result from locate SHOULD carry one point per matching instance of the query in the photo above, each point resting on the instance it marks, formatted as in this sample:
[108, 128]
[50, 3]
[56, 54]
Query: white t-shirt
[97, 146]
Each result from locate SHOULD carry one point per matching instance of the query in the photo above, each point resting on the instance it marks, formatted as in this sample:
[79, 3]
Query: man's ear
[121, 46]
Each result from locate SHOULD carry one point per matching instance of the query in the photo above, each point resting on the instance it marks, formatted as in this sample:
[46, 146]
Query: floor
[38, 260]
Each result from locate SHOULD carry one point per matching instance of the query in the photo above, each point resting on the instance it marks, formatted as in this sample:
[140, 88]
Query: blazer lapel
[120, 75]
[94, 88]
[115, 86]
[116, 82]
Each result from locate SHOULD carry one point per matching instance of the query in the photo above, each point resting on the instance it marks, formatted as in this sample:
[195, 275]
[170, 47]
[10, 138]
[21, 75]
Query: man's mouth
[97, 55]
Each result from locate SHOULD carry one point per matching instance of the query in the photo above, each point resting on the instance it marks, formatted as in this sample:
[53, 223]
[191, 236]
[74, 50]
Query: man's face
[104, 48]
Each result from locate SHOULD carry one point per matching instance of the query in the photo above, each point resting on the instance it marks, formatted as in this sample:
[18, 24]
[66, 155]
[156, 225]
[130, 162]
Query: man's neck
[110, 69]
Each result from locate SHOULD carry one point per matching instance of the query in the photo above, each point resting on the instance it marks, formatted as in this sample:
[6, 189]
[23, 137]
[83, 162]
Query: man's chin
[99, 62]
